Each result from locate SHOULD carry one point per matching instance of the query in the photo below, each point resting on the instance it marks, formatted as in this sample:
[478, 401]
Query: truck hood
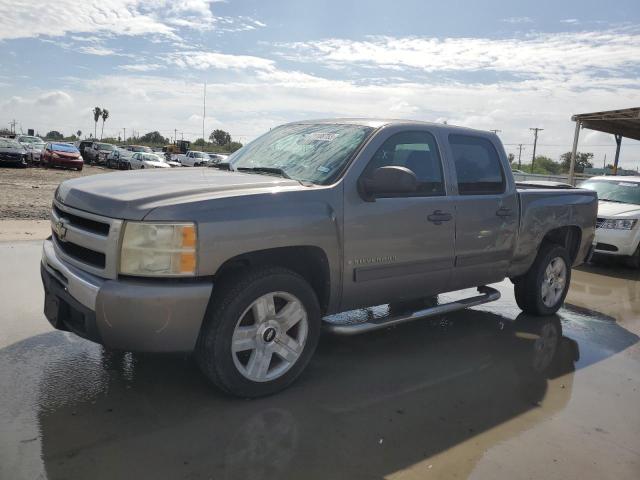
[613, 209]
[131, 195]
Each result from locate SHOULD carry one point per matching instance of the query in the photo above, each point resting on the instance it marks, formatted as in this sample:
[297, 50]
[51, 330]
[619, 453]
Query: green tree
[220, 137]
[154, 138]
[583, 160]
[54, 135]
[199, 142]
[105, 115]
[79, 133]
[233, 146]
[97, 113]
[545, 165]
[511, 157]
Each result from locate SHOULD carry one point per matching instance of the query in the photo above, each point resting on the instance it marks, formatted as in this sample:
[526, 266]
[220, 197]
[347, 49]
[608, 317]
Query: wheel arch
[310, 262]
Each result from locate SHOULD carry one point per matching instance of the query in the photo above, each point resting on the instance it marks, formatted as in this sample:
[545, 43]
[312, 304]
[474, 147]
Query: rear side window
[416, 151]
[478, 168]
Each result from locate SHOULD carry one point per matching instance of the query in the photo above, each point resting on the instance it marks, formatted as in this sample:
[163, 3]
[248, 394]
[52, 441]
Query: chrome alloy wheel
[553, 282]
[269, 336]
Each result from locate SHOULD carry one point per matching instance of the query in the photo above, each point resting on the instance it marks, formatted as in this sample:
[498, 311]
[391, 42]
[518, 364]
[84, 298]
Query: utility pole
[519, 155]
[13, 124]
[535, 142]
[175, 136]
[204, 113]
[496, 131]
[124, 135]
[604, 162]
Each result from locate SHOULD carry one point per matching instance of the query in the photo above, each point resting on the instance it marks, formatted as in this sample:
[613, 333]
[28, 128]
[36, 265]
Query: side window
[416, 151]
[477, 163]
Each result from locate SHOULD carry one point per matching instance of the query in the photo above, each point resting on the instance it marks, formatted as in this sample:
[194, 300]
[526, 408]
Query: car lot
[483, 393]
[26, 194]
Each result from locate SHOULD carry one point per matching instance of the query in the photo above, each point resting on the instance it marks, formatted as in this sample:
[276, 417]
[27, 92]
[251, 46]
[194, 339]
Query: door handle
[503, 212]
[439, 216]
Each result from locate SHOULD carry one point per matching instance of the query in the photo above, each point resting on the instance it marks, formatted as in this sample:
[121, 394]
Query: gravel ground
[26, 193]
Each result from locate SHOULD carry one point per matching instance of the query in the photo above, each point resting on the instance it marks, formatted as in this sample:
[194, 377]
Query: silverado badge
[60, 230]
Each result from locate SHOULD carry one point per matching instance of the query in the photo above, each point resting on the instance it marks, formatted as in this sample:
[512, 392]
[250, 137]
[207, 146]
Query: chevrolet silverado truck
[244, 264]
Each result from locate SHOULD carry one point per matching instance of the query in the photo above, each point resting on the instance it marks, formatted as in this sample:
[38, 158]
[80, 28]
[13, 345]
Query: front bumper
[131, 315]
[617, 242]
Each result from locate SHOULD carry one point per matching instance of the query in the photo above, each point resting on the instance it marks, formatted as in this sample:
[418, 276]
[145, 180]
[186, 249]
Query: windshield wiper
[611, 200]
[267, 170]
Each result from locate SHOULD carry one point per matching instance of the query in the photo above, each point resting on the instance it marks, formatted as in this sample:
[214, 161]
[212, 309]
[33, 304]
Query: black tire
[528, 288]
[213, 350]
[634, 260]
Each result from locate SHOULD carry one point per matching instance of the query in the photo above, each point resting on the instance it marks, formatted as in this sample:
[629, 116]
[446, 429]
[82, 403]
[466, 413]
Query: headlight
[158, 249]
[618, 224]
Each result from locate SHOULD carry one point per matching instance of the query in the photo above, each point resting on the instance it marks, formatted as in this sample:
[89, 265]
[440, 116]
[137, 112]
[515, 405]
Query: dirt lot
[26, 193]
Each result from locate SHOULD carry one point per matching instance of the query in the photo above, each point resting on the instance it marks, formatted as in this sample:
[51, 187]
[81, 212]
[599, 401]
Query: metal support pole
[615, 162]
[572, 166]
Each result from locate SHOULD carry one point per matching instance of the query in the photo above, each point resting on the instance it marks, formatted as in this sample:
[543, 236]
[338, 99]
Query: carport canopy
[620, 123]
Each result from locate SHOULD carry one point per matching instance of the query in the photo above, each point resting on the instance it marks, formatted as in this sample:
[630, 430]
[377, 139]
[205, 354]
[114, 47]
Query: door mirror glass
[388, 181]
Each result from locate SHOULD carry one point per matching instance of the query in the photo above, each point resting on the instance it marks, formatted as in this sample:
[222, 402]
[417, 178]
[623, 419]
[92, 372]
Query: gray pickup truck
[243, 264]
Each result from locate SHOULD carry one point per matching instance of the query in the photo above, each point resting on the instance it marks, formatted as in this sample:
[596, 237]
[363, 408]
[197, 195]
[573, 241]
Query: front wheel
[259, 333]
[542, 290]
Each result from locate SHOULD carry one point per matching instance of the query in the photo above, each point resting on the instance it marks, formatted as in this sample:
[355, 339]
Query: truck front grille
[85, 223]
[85, 255]
[599, 222]
[85, 240]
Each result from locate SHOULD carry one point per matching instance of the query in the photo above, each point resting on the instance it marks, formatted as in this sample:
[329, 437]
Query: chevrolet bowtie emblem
[60, 229]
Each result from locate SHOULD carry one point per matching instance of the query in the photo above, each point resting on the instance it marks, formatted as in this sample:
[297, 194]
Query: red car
[61, 155]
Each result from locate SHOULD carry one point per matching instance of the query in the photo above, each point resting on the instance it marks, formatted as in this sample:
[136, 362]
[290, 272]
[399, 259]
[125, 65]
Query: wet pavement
[485, 393]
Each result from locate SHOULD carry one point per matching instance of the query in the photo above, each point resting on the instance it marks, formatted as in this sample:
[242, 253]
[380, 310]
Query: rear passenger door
[486, 211]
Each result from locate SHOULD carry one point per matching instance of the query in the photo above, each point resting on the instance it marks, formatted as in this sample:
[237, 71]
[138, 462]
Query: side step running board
[488, 294]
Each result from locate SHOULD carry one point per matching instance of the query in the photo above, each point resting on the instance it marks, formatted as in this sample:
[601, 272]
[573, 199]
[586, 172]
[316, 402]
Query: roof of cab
[383, 122]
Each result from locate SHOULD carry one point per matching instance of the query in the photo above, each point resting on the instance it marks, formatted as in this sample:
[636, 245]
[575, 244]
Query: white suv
[618, 229]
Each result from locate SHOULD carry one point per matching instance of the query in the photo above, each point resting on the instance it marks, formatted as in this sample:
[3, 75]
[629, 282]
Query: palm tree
[78, 133]
[105, 115]
[97, 112]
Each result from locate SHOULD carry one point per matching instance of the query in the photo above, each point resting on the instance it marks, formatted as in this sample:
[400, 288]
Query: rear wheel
[542, 290]
[260, 332]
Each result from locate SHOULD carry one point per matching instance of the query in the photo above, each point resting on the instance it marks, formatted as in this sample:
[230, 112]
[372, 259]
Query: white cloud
[100, 51]
[202, 60]
[113, 17]
[560, 56]
[56, 98]
[517, 20]
[141, 67]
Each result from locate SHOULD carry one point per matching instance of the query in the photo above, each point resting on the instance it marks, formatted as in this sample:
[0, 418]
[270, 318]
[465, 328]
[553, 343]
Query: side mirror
[391, 180]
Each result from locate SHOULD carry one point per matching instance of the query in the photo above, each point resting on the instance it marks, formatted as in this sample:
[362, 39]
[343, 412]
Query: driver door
[399, 247]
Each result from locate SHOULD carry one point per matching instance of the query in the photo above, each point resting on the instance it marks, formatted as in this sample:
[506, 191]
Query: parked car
[12, 153]
[81, 145]
[147, 160]
[118, 158]
[192, 159]
[97, 153]
[618, 229]
[34, 150]
[28, 139]
[217, 158]
[308, 220]
[65, 155]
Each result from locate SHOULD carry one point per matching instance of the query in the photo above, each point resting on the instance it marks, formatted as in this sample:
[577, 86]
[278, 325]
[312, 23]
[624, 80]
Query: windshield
[142, 149]
[200, 155]
[615, 191]
[9, 143]
[314, 153]
[63, 147]
[151, 157]
[105, 146]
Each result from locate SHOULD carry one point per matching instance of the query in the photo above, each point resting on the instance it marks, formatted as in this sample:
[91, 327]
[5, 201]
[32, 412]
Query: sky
[505, 65]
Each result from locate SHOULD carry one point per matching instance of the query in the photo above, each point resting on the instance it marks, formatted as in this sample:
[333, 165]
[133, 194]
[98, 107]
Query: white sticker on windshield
[320, 137]
[323, 169]
[627, 184]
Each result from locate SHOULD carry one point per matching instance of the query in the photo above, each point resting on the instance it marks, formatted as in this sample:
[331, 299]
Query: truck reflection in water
[367, 407]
